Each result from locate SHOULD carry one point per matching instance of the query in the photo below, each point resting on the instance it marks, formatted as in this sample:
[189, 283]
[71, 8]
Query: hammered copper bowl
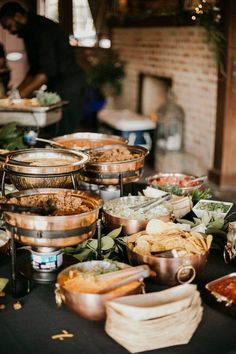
[170, 271]
[87, 140]
[112, 172]
[54, 168]
[129, 225]
[54, 231]
[90, 306]
[153, 182]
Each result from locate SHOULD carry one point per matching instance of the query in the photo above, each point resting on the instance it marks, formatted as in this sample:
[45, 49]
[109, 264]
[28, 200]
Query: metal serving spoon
[15, 208]
[151, 203]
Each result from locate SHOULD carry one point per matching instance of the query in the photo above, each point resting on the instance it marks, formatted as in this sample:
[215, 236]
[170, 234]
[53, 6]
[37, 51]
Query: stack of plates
[154, 320]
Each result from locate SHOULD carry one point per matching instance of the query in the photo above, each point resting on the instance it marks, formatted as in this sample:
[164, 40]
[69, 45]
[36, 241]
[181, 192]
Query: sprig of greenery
[208, 16]
[106, 73]
[48, 98]
[112, 247]
[214, 225]
[195, 194]
[11, 137]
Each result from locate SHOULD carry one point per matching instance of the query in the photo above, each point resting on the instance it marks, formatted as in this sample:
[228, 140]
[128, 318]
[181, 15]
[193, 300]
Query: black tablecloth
[29, 330]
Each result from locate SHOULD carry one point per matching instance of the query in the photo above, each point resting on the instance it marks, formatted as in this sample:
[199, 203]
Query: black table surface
[29, 330]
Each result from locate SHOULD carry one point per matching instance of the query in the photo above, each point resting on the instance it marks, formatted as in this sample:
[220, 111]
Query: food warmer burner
[46, 236]
[110, 177]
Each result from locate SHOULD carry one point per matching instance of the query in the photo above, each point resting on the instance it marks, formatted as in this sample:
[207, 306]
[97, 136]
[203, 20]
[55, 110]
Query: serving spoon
[15, 208]
[152, 203]
[130, 274]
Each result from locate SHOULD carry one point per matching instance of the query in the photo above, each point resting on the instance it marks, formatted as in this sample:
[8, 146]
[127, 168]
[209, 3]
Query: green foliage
[195, 194]
[208, 16]
[112, 247]
[105, 73]
[215, 226]
[198, 194]
[11, 137]
[48, 98]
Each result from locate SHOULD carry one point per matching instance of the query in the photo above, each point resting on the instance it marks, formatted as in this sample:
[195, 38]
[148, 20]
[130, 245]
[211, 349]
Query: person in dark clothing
[4, 72]
[51, 61]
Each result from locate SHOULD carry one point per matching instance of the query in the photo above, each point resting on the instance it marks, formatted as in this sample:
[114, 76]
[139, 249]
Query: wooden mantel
[224, 170]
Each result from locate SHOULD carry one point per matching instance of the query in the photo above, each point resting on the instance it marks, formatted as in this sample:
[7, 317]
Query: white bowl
[204, 205]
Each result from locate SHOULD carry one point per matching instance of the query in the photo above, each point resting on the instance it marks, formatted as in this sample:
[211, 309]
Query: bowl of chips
[175, 256]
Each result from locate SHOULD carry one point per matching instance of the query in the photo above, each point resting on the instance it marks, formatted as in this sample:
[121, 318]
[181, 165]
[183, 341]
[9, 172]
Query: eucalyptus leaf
[115, 233]
[93, 244]
[107, 243]
[107, 255]
[197, 221]
[83, 255]
[217, 223]
[185, 221]
[3, 283]
[206, 218]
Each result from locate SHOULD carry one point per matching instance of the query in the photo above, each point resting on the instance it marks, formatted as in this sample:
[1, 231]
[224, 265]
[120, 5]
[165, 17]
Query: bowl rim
[173, 174]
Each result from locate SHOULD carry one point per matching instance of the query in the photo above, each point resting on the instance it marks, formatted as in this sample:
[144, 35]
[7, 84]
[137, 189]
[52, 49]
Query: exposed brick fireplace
[182, 55]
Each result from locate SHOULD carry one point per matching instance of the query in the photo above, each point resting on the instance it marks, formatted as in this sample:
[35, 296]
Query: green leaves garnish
[112, 247]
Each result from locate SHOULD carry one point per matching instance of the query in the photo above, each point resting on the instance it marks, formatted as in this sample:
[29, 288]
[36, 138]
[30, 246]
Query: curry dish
[63, 203]
[113, 155]
[86, 143]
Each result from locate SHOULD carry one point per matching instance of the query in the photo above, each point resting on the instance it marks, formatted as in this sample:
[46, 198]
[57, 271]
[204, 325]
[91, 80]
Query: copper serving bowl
[86, 141]
[91, 306]
[170, 271]
[174, 179]
[110, 173]
[130, 225]
[54, 231]
[43, 168]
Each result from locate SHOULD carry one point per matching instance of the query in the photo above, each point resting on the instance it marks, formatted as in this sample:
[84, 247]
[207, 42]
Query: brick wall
[183, 55]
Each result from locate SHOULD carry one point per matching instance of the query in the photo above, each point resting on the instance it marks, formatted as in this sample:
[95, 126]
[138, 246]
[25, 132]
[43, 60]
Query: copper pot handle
[184, 268]
[228, 254]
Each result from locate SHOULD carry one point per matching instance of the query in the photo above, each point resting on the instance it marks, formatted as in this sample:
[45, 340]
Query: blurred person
[4, 73]
[51, 61]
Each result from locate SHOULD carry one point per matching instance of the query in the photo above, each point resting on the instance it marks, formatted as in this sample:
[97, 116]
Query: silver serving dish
[110, 173]
[86, 141]
[41, 231]
[43, 168]
[176, 179]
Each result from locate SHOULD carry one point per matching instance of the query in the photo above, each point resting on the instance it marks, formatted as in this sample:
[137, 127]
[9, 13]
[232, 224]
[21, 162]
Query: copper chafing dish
[91, 305]
[87, 140]
[133, 222]
[54, 231]
[169, 271]
[43, 168]
[110, 173]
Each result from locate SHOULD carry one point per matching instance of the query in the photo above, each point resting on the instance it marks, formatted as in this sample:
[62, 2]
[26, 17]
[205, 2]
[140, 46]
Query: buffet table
[29, 329]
